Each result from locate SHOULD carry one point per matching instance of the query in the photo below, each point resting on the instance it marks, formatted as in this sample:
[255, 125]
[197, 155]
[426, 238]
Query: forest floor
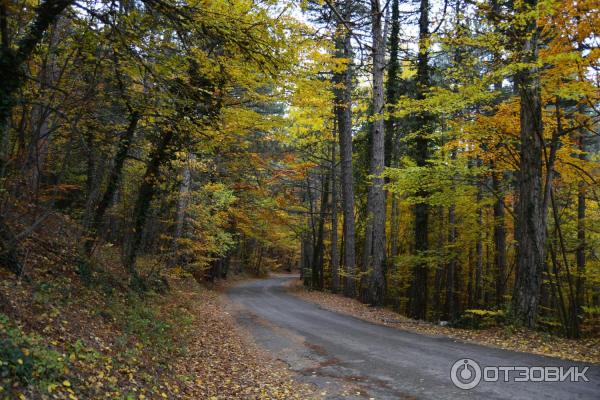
[504, 337]
[70, 334]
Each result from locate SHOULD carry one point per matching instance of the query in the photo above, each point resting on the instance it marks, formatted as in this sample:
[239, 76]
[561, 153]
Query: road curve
[348, 358]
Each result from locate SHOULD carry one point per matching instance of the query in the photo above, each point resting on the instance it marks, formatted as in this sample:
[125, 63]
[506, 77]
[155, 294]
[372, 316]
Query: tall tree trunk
[317, 264]
[393, 89]
[374, 249]
[440, 271]
[499, 241]
[41, 126]
[499, 212]
[393, 92]
[182, 204]
[580, 252]
[159, 155]
[451, 295]
[343, 110]
[114, 177]
[418, 298]
[479, 247]
[335, 276]
[532, 202]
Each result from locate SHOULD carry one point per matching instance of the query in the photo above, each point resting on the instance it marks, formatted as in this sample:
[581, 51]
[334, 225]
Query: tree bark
[451, 293]
[182, 204]
[374, 250]
[580, 252]
[142, 205]
[335, 276]
[393, 89]
[479, 247]
[532, 202]
[114, 177]
[499, 241]
[317, 264]
[418, 300]
[343, 110]
[393, 93]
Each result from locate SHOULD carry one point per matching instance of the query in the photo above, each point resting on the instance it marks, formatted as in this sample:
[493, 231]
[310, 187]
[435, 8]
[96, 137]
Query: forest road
[348, 358]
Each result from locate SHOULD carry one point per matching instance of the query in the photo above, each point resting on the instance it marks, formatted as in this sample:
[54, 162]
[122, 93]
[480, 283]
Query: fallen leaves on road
[221, 363]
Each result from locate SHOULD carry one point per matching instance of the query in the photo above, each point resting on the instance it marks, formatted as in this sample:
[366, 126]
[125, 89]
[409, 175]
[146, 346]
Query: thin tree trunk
[419, 292]
[450, 304]
[182, 205]
[499, 241]
[114, 177]
[335, 276]
[580, 252]
[393, 92]
[393, 89]
[317, 264]
[479, 248]
[343, 109]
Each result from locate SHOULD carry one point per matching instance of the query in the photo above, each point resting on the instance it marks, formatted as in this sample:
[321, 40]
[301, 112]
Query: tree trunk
[374, 250]
[317, 264]
[479, 249]
[532, 203]
[393, 89]
[451, 294]
[335, 276]
[393, 92]
[182, 205]
[499, 241]
[580, 252]
[114, 177]
[418, 301]
[142, 205]
[343, 109]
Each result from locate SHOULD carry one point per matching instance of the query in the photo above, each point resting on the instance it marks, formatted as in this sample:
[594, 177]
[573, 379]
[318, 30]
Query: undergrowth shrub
[25, 360]
[480, 319]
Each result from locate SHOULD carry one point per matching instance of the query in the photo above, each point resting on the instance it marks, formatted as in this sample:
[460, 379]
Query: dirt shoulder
[585, 350]
[225, 363]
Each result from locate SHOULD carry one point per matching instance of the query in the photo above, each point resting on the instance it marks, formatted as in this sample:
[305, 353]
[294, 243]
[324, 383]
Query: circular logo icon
[465, 373]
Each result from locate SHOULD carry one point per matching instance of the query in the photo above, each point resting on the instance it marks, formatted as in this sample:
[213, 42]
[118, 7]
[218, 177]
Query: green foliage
[146, 326]
[25, 359]
[480, 319]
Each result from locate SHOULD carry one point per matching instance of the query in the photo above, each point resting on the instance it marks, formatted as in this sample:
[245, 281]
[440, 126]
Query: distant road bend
[348, 358]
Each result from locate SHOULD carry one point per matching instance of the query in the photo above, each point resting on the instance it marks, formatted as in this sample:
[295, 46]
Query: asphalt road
[348, 358]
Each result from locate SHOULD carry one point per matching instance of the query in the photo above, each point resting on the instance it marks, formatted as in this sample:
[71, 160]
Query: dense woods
[436, 157]
[478, 202]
